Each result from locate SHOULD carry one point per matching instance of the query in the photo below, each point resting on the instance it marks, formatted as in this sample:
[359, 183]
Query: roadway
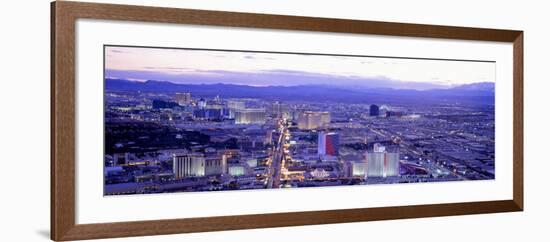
[275, 167]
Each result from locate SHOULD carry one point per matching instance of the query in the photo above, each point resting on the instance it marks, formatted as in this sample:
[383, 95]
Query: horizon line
[248, 85]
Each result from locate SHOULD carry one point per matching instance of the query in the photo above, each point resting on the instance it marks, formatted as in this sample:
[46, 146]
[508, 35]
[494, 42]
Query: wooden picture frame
[63, 17]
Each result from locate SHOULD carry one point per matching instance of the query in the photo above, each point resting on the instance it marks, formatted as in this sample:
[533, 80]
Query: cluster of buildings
[329, 165]
[376, 163]
[229, 144]
[181, 106]
[233, 109]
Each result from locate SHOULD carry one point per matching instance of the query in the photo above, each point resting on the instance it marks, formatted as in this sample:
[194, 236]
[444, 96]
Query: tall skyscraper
[215, 165]
[188, 165]
[382, 163]
[183, 98]
[233, 106]
[250, 116]
[321, 144]
[391, 163]
[328, 144]
[332, 141]
[374, 110]
[202, 103]
[268, 137]
[358, 169]
[197, 165]
[217, 100]
[313, 120]
[279, 110]
[375, 163]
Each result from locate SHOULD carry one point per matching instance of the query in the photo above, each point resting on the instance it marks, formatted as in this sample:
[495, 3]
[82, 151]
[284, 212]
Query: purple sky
[262, 69]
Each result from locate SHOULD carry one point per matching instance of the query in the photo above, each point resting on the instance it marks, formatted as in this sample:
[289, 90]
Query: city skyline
[192, 66]
[290, 121]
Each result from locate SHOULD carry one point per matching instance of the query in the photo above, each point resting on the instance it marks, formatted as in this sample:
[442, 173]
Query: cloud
[168, 68]
[119, 51]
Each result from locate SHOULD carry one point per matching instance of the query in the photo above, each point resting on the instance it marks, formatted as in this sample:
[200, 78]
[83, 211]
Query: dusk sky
[265, 69]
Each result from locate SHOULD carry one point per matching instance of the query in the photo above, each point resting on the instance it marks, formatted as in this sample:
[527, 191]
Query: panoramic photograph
[201, 120]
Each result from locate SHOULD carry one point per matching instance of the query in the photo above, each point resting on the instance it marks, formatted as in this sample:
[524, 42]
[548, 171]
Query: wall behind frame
[24, 122]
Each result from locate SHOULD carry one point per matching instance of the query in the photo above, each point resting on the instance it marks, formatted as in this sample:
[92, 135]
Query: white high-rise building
[232, 104]
[313, 120]
[202, 103]
[269, 137]
[215, 165]
[321, 146]
[392, 164]
[375, 161]
[188, 165]
[382, 163]
[359, 169]
[197, 165]
[250, 116]
[279, 110]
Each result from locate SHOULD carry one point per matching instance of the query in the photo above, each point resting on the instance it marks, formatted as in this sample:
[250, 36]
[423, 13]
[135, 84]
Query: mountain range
[477, 92]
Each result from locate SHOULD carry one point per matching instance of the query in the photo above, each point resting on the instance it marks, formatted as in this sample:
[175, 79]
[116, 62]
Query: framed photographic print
[172, 120]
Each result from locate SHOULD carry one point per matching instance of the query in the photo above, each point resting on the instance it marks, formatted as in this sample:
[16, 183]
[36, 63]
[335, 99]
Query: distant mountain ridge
[482, 86]
[483, 92]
